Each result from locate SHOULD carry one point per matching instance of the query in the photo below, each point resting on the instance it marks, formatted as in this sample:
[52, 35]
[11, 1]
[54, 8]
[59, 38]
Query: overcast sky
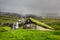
[36, 7]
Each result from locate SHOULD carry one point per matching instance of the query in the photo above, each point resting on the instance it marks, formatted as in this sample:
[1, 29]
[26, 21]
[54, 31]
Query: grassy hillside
[6, 33]
[8, 18]
[29, 35]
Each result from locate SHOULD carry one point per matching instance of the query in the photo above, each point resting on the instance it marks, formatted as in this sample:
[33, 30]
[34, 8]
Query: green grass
[5, 28]
[7, 34]
[29, 35]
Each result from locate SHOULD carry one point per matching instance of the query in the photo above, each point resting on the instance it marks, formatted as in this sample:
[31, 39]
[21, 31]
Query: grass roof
[40, 23]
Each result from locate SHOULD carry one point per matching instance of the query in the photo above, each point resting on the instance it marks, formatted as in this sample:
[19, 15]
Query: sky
[35, 7]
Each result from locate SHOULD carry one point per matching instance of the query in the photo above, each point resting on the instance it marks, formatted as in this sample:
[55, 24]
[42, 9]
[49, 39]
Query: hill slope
[8, 17]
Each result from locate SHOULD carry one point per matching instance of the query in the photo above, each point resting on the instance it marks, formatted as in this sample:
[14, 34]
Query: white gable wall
[42, 28]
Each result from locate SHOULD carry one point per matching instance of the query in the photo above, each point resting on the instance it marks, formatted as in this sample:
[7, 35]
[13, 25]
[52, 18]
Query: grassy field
[6, 33]
[29, 35]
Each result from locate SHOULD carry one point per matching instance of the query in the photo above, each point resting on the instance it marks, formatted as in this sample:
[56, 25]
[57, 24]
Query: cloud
[36, 7]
